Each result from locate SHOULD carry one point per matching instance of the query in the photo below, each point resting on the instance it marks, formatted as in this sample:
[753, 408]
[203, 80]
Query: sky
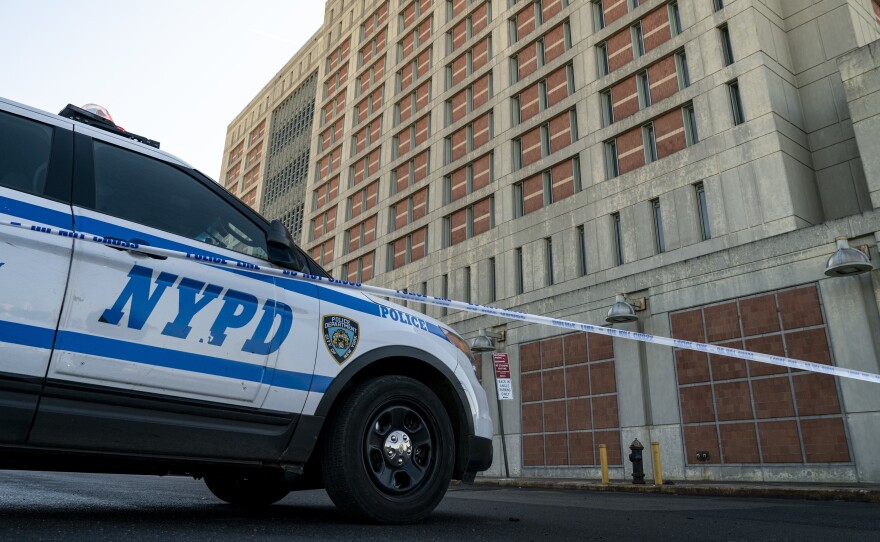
[174, 71]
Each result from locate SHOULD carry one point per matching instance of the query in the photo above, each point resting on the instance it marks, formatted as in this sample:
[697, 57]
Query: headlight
[461, 344]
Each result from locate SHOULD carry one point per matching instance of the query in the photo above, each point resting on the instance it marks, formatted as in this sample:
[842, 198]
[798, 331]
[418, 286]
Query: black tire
[368, 481]
[247, 492]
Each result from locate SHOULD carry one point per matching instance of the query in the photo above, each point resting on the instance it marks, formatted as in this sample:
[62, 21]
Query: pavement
[869, 493]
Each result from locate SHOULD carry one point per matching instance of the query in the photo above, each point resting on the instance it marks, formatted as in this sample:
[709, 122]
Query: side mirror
[278, 236]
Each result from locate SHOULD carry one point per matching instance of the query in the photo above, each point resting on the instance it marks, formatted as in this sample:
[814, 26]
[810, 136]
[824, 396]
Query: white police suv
[118, 356]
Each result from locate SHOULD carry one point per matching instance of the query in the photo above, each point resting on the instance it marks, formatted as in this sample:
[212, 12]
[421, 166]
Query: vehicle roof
[92, 132]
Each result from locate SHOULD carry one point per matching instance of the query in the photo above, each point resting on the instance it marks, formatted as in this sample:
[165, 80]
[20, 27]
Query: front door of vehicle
[167, 355]
[35, 162]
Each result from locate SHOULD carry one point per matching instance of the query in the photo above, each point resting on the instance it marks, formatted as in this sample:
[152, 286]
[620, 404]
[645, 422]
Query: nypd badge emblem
[341, 336]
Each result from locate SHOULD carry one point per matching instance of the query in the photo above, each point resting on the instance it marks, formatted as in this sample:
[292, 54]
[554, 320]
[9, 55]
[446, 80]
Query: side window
[150, 192]
[25, 146]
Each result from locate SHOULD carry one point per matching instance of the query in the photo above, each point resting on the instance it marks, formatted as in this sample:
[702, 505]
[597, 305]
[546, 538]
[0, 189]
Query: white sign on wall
[502, 376]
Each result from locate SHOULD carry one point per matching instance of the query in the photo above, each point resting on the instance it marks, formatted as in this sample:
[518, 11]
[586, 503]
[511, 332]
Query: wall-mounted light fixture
[847, 261]
[622, 311]
[485, 341]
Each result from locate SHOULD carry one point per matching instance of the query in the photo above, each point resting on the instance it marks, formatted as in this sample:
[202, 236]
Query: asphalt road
[52, 506]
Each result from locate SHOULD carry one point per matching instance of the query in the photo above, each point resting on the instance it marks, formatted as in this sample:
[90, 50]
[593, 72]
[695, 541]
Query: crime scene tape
[460, 305]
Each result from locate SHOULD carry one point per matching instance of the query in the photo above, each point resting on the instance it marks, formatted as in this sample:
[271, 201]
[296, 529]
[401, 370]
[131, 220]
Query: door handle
[133, 252]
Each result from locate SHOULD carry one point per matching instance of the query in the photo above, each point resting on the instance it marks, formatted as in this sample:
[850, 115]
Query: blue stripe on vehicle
[185, 361]
[82, 343]
[25, 335]
[36, 213]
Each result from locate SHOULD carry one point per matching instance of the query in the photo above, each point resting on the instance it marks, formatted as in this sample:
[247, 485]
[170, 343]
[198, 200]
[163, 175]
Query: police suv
[118, 356]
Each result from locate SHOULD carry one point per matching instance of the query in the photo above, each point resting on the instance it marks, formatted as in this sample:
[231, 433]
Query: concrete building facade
[541, 156]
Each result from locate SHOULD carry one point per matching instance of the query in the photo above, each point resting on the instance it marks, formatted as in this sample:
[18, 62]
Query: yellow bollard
[658, 468]
[603, 457]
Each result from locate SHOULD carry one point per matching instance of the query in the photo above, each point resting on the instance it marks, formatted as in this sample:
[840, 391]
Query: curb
[812, 493]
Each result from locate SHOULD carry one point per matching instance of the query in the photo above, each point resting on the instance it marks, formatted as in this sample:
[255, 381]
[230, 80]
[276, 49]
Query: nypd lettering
[341, 336]
[237, 309]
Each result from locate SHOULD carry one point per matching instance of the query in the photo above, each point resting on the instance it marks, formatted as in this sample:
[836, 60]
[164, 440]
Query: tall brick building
[700, 155]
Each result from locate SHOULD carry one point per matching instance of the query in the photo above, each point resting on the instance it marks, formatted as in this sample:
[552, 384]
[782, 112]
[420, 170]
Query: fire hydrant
[636, 458]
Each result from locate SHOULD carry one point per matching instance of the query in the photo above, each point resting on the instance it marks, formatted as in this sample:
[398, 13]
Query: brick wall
[525, 20]
[533, 193]
[655, 28]
[420, 166]
[459, 105]
[554, 43]
[531, 146]
[614, 9]
[458, 226]
[755, 413]
[459, 143]
[557, 86]
[569, 401]
[561, 131]
[529, 104]
[480, 91]
[482, 171]
[482, 131]
[550, 8]
[619, 49]
[663, 79]
[482, 215]
[669, 132]
[625, 98]
[562, 180]
[630, 150]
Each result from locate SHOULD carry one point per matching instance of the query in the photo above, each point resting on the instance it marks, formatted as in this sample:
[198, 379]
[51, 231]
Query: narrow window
[618, 238]
[598, 14]
[690, 125]
[681, 70]
[644, 89]
[545, 139]
[649, 140]
[513, 30]
[607, 108]
[467, 284]
[718, 4]
[542, 94]
[515, 109]
[540, 52]
[492, 291]
[548, 254]
[576, 171]
[519, 270]
[611, 166]
[602, 53]
[633, 4]
[674, 19]
[705, 232]
[659, 241]
[582, 250]
[547, 186]
[726, 47]
[638, 40]
[736, 102]
[517, 153]
[518, 201]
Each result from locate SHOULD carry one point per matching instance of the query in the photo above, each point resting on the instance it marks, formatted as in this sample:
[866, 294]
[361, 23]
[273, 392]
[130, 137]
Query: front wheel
[247, 492]
[388, 452]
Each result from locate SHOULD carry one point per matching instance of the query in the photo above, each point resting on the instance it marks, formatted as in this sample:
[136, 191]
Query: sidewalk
[816, 492]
